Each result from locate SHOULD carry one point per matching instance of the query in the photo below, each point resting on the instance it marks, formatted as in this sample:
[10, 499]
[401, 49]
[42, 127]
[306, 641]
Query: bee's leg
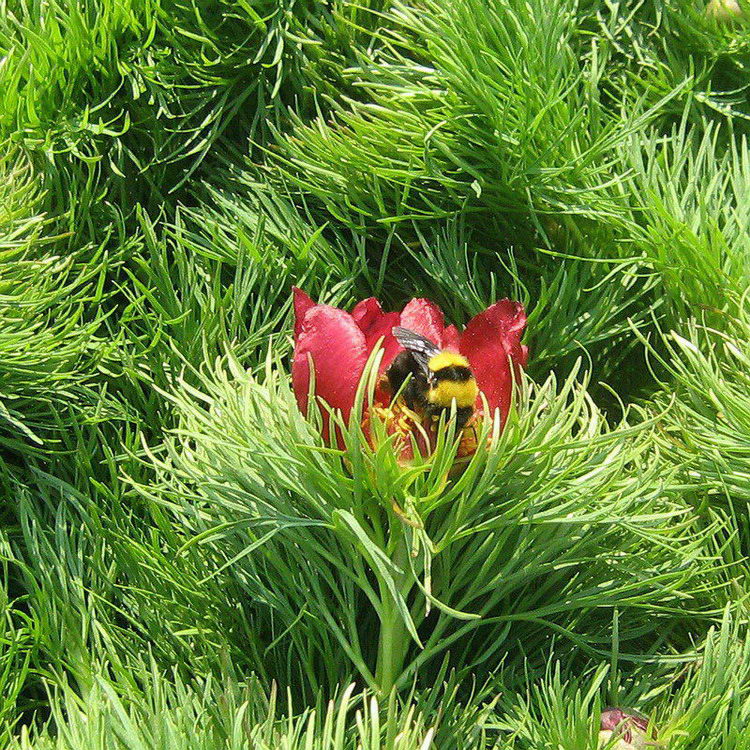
[463, 415]
[415, 393]
[435, 412]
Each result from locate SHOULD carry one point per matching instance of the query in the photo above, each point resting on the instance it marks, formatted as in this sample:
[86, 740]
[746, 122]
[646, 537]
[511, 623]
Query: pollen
[402, 424]
[406, 428]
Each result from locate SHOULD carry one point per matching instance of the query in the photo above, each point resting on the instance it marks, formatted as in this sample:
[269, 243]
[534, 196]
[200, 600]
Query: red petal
[424, 317]
[640, 722]
[611, 718]
[376, 324]
[488, 342]
[337, 347]
[302, 303]
[524, 356]
[367, 313]
[384, 330]
[615, 719]
[451, 338]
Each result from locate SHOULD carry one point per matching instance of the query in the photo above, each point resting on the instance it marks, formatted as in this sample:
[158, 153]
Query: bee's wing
[423, 349]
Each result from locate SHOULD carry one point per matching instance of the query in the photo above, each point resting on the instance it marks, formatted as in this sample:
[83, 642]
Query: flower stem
[394, 637]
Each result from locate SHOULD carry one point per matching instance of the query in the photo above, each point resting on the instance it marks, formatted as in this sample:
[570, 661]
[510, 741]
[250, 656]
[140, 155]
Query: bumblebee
[436, 378]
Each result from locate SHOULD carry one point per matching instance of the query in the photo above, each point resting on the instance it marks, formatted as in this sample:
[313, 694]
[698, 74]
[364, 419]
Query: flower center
[409, 428]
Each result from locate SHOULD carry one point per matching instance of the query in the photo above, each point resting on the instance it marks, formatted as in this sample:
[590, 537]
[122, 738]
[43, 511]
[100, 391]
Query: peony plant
[384, 567]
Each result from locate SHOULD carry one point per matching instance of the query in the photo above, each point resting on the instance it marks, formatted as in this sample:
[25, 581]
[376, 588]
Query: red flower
[339, 344]
[629, 727]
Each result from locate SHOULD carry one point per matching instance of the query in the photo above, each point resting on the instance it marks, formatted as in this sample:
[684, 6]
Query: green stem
[394, 637]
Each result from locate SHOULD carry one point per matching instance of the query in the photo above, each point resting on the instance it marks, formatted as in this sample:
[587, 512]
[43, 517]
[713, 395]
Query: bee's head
[449, 377]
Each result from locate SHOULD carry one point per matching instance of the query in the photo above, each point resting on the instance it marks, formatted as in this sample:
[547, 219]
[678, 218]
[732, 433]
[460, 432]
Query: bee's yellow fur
[447, 359]
[446, 390]
[464, 392]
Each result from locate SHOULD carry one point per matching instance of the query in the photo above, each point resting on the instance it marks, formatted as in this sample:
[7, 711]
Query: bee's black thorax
[414, 392]
[456, 373]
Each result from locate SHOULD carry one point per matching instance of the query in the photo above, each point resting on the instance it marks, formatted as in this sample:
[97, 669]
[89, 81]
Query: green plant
[185, 563]
[399, 566]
